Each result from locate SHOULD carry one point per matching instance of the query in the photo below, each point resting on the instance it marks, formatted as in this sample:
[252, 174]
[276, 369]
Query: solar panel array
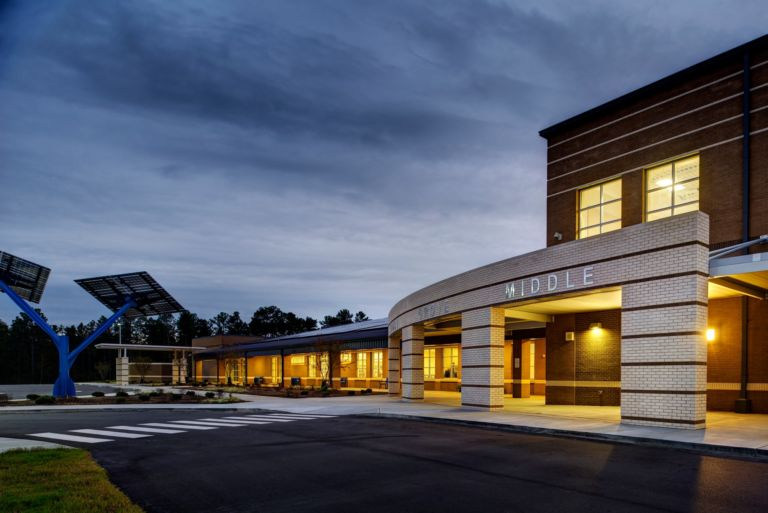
[26, 278]
[112, 291]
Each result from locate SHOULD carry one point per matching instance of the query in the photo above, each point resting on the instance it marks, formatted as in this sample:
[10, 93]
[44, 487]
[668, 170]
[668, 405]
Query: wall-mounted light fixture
[711, 334]
[570, 336]
[558, 236]
[594, 326]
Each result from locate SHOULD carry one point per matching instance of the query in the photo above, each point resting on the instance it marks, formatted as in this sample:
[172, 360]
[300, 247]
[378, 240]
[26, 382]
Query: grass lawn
[57, 481]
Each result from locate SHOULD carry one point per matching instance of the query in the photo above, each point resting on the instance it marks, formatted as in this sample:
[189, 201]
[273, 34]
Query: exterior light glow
[710, 334]
[594, 326]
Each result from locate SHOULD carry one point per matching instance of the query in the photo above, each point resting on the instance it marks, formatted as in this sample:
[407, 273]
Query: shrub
[33, 397]
[175, 397]
[121, 393]
[120, 400]
[154, 394]
[190, 393]
[45, 399]
[305, 392]
[350, 392]
[98, 394]
[143, 397]
[210, 395]
[368, 391]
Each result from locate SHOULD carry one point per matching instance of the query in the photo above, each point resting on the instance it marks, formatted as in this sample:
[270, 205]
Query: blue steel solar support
[64, 386]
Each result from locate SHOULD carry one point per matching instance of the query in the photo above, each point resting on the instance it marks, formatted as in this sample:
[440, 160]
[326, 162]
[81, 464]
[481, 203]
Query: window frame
[362, 358]
[672, 205]
[429, 363]
[599, 206]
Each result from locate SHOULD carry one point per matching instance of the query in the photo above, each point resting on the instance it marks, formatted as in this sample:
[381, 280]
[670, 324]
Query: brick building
[651, 291]
[650, 294]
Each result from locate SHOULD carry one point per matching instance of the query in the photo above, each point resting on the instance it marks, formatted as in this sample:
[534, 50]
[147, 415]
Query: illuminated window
[324, 365]
[672, 188]
[600, 208]
[275, 369]
[362, 365]
[429, 363]
[451, 362]
[346, 358]
[312, 366]
[377, 364]
[297, 359]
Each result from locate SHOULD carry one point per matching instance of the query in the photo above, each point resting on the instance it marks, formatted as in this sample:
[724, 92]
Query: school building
[650, 294]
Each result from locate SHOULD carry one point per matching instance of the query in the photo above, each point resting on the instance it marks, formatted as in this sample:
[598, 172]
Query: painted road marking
[71, 438]
[115, 434]
[147, 429]
[295, 416]
[164, 425]
[271, 419]
[215, 424]
[224, 420]
[241, 420]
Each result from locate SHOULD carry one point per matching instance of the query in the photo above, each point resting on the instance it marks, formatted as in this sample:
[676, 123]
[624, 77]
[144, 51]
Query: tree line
[27, 355]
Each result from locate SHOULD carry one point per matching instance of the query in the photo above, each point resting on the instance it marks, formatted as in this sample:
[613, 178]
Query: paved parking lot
[207, 461]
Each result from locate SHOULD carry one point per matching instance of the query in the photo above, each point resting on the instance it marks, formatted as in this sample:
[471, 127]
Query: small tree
[142, 364]
[104, 369]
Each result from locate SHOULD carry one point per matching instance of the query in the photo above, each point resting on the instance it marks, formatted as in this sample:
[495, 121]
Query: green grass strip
[57, 481]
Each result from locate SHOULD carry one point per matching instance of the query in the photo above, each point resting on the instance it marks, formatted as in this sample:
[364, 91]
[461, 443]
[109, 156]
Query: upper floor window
[600, 208]
[672, 188]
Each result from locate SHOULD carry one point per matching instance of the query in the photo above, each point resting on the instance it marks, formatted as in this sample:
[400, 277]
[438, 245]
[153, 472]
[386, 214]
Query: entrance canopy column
[393, 374]
[482, 358]
[412, 360]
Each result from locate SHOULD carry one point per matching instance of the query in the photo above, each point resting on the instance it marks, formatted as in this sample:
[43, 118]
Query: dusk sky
[313, 155]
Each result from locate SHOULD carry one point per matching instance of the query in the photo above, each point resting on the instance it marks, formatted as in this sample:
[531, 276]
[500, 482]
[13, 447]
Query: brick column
[393, 375]
[521, 368]
[121, 370]
[413, 362]
[482, 358]
[179, 369]
[663, 347]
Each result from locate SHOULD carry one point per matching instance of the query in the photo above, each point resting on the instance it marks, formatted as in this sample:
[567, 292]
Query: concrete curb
[715, 450]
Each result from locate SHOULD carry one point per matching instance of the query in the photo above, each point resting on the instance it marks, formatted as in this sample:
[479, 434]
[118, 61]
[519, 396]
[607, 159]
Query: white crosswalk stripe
[271, 419]
[165, 425]
[300, 416]
[148, 429]
[242, 420]
[115, 434]
[181, 423]
[71, 438]
[176, 426]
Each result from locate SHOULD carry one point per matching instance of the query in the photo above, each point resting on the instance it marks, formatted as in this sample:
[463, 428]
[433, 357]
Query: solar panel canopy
[26, 278]
[112, 291]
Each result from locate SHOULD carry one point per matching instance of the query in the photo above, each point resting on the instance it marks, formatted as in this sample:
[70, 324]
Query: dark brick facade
[590, 365]
[696, 111]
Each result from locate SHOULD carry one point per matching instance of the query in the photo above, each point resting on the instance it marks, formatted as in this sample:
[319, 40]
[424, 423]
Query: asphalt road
[356, 464]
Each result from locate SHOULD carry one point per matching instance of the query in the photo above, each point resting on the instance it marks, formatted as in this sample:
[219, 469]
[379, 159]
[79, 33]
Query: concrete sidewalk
[726, 432]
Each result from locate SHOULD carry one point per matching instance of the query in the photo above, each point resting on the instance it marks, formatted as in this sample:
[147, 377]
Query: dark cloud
[311, 154]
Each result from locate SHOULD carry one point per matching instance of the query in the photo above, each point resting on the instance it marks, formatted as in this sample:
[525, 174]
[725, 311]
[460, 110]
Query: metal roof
[150, 347]
[370, 332]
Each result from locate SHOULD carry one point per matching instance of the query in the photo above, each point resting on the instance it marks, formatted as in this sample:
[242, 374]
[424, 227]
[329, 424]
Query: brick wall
[701, 115]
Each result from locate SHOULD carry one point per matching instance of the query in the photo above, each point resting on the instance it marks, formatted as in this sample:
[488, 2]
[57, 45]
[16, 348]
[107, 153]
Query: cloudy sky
[309, 154]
